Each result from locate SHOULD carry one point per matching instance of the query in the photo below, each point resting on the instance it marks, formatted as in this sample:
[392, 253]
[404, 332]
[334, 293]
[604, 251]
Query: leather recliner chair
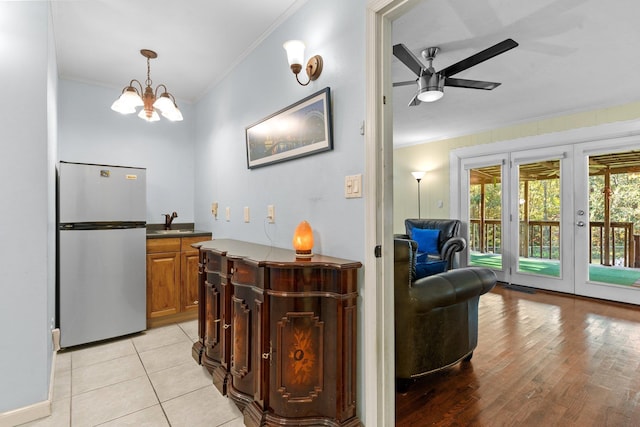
[448, 243]
[436, 317]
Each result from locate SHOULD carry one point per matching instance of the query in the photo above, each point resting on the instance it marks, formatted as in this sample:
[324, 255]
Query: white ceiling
[574, 55]
[197, 41]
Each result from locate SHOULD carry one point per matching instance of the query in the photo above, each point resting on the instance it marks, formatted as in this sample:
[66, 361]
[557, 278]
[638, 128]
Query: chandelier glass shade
[152, 103]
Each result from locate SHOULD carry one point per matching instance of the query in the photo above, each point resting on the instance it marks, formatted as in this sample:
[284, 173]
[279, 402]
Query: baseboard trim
[34, 411]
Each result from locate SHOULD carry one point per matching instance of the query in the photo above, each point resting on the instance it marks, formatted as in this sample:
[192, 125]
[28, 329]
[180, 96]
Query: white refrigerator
[101, 289]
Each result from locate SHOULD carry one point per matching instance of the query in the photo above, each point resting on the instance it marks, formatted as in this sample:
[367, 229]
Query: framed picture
[298, 130]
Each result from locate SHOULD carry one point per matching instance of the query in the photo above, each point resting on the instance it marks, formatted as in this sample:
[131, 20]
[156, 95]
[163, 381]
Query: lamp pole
[418, 197]
[418, 176]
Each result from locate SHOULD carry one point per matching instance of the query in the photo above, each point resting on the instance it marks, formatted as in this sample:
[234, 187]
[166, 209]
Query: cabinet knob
[266, 355]
[195, 302]
[226, 325]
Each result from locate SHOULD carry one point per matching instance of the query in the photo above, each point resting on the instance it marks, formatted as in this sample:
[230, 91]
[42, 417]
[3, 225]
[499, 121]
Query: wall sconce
[295, 56]
[303, 240]
[418, 175]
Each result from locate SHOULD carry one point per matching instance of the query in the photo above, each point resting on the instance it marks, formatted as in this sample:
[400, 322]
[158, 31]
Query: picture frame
[299, 130]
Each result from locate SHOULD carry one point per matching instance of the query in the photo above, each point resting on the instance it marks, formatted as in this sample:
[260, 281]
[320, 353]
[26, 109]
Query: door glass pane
[614, 218]
[485, 217]
[539, 218]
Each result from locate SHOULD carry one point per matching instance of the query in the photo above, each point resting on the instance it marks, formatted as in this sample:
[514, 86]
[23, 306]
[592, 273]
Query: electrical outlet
[246, 214]
[214, 209]
[227, 213]
[271, 214]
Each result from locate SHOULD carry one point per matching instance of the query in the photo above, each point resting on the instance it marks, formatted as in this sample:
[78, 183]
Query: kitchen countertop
[157, 231]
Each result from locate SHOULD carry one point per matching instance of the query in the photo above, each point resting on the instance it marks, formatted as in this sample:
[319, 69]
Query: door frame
[379, 344]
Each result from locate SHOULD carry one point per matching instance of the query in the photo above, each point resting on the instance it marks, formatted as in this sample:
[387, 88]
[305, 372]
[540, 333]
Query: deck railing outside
[541, 239]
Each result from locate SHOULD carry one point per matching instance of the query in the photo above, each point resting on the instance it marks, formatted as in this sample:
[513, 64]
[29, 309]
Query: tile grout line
[152, 386]
[137, 352]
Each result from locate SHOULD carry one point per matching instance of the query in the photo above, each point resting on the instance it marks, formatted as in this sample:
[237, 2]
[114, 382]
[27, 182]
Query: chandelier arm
[139, 84]
[165, 90]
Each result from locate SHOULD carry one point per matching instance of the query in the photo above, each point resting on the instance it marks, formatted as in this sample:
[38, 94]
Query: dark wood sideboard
[278, 334]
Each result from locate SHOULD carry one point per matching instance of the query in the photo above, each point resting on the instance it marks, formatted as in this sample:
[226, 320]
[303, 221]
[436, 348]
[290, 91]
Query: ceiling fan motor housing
[430, 87]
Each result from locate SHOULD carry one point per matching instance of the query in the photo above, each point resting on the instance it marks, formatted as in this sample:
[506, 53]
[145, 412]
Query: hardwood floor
[542, 359]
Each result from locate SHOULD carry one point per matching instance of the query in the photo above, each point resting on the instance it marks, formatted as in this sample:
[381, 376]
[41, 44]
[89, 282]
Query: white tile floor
[148, 379]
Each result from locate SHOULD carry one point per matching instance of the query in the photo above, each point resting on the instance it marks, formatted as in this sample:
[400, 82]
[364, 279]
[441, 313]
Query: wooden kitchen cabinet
[163, 277]
[189, 274]
[279, 334]
[172, 279]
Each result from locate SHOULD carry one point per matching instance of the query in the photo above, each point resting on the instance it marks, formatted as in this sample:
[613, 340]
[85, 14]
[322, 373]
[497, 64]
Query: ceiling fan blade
[479, 57]
[401, 52]
[414, 101]
[470, 84]
[407, 83]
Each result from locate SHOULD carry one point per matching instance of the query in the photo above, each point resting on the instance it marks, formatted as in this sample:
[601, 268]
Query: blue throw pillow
[427, 239]
[424, 269]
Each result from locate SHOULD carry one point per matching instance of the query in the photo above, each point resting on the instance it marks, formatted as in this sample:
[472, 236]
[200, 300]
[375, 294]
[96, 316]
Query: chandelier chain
[148, 82]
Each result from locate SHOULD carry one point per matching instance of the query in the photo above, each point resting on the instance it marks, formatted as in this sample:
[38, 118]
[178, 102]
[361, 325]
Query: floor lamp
[418, 176]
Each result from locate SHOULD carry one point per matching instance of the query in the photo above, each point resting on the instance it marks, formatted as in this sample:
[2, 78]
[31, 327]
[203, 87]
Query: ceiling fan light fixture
[430, 95]
[430, 87]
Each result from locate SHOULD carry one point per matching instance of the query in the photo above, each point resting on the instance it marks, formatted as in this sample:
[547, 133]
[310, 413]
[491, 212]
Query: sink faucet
[168, 219]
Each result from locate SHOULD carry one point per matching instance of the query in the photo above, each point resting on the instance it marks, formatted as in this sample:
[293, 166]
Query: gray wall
[309, 188]
[25, 194]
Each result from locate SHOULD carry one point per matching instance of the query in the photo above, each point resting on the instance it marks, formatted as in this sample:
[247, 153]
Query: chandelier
[147, 98]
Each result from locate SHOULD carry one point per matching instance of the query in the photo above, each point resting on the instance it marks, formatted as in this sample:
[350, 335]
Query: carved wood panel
[300, 356]
[241, 335]
[212, 328]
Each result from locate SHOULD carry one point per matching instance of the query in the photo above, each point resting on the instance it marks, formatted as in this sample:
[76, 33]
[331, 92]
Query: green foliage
[625, 198]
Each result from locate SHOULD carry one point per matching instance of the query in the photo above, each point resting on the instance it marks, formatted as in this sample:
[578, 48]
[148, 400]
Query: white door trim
[379, 342]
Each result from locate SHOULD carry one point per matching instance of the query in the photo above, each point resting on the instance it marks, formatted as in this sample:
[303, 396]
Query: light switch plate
[214, 209]
[227, 213]
[246, 214]
[353, 186]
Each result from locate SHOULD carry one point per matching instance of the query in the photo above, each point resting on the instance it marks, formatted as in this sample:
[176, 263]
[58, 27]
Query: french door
[607, 201]
[546, 218]
[517, 221]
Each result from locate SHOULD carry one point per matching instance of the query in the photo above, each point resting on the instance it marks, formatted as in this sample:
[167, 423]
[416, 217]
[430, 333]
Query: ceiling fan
[431, 83]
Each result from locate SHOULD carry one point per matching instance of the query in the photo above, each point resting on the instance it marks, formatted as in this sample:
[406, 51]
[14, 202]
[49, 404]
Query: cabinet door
[189, 273]
[247, 339]
[313, 333]
[163, 280]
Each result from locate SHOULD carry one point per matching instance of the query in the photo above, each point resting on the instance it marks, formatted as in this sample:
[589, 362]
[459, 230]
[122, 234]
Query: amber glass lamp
[303, 240]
